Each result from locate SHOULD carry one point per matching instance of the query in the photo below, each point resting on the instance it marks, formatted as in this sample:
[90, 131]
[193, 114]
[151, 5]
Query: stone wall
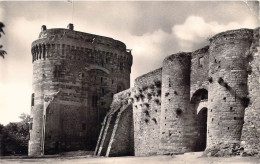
[251, 129]
[122, 139]
[199, 70]
[133, 130]
[116, 137]
[87, 70]
[146, 112]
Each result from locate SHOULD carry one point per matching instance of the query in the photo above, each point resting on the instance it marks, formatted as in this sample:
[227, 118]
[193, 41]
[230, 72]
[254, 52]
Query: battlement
[55, 34]
[64, 40]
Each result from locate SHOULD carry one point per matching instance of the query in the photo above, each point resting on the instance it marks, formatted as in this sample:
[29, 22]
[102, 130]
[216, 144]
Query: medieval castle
[206, 100]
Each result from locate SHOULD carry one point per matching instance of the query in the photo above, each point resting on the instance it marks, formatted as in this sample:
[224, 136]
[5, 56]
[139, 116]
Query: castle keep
[75, 75]
[206, 100]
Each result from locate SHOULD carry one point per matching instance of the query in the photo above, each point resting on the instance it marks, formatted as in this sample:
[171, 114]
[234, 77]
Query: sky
[152, 29]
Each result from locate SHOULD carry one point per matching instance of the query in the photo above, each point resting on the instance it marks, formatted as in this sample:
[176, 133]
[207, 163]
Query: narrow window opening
[201, 62]
[83, 126]
[32, 100]
[103, 91]
[121, 66]
[30, 125]
[94, 101]
[57, 71]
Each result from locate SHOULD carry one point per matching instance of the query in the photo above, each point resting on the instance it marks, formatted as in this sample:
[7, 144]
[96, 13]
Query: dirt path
[188, 158]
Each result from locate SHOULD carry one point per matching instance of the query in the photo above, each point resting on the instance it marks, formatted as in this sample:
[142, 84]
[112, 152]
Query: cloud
[196, 30]
[153, 30]
[1, 13]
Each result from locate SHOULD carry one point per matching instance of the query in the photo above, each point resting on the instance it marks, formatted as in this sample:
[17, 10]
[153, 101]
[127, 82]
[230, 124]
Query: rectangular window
[94, 101]
[44, 52]
[84, 126]
[32, 100]
[103, 91]
[201, 62]
[121, 66]
[30, 125]
[57, 71]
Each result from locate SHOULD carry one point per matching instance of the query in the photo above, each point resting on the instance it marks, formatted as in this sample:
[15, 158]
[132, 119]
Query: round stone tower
[177, 120]
[75, 75]
[227, 100]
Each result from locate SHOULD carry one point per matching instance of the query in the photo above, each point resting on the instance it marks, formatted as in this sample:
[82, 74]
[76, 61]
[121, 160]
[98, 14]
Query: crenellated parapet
[63, 41]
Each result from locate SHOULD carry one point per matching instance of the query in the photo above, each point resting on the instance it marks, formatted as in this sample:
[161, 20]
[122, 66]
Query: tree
[2, 52]
[16, 136]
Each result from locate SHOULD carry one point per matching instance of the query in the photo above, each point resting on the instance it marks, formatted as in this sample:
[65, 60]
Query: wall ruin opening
[199, 101]
[202, 130]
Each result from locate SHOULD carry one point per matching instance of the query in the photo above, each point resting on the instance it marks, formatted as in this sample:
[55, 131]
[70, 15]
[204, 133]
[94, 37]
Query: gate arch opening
[199, 102]
[202, 129]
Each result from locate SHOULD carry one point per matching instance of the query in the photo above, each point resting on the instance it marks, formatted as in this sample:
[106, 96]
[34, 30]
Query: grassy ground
[188, 158]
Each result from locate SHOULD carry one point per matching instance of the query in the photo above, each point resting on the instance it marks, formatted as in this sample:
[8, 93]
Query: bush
[15, 136]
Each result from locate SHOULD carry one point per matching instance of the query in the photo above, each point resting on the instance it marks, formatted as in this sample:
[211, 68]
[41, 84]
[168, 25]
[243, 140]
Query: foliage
[15, 136]
[2, 52]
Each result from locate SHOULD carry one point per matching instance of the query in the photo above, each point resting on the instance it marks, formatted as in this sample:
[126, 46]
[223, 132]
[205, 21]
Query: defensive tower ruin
[75, 75]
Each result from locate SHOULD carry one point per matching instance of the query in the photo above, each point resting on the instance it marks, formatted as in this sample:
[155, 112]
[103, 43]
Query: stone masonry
[206, 100]
[75, 76]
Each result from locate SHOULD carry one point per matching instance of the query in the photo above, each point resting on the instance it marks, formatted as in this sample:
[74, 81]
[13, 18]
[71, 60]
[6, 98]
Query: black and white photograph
[123, 82]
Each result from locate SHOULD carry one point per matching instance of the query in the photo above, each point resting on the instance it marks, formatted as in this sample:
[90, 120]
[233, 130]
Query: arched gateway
[199, 103]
